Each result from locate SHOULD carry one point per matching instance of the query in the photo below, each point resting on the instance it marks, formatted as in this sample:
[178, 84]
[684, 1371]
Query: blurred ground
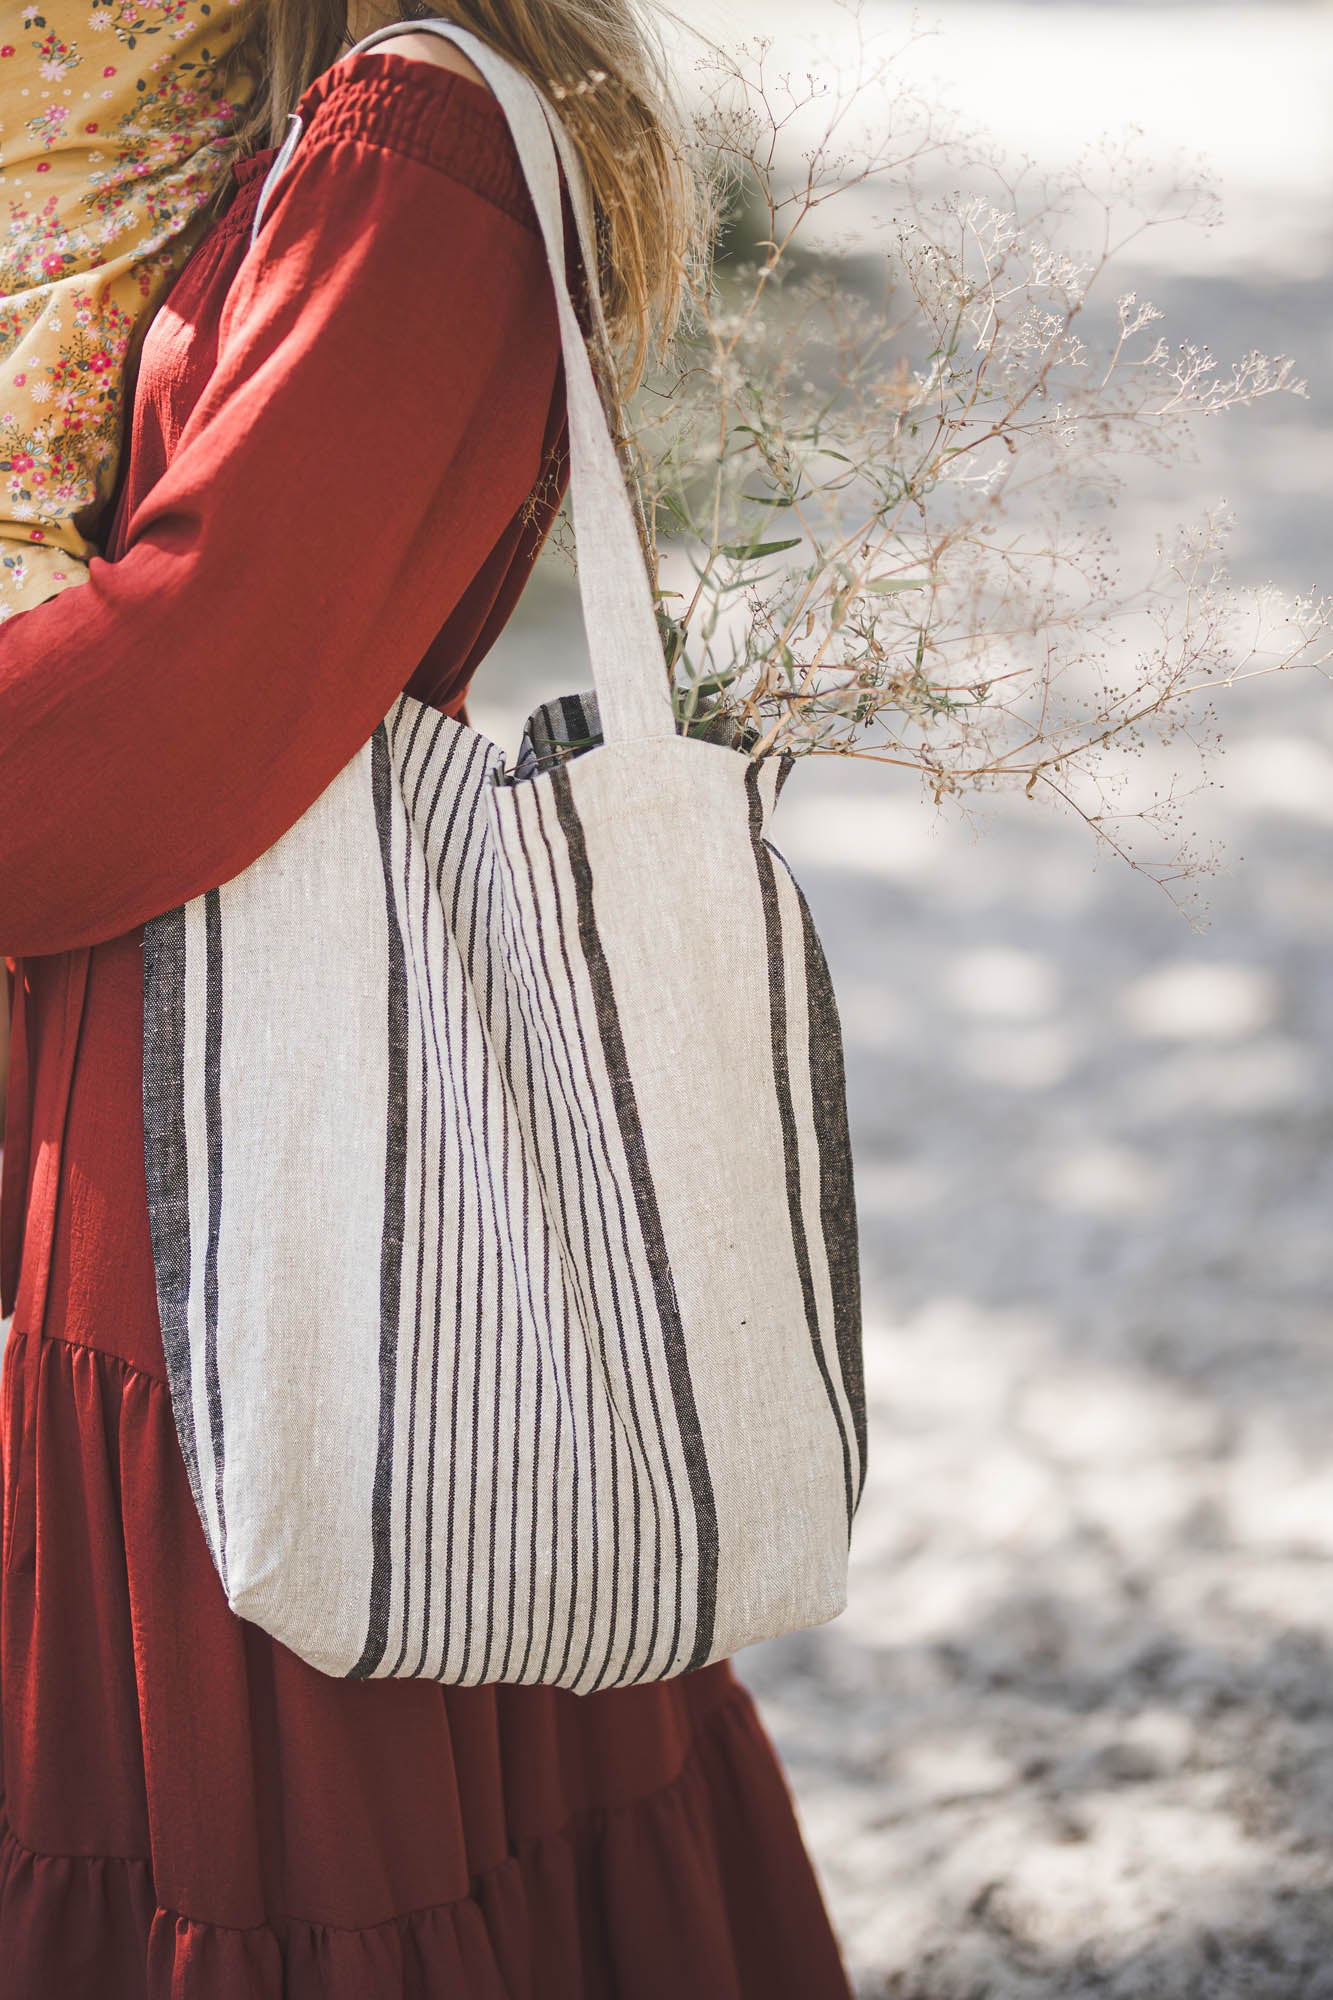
[1074, 1734]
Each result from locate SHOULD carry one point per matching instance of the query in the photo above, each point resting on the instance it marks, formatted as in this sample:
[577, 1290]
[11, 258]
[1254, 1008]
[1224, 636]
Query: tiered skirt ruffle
[192, 1813]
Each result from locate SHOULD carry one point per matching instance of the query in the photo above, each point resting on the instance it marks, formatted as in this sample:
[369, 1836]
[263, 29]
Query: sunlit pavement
[1075, 1732]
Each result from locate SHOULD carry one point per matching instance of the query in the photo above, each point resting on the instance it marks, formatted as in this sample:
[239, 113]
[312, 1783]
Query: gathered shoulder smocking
[435, 116]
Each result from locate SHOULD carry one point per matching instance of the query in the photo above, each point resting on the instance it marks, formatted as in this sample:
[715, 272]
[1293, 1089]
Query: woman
[348, 444]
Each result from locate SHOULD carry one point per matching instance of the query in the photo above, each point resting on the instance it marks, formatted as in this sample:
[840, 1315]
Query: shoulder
[425, 47]
[417, 98]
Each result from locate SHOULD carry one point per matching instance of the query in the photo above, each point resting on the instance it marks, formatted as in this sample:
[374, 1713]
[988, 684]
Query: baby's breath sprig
[880, 471]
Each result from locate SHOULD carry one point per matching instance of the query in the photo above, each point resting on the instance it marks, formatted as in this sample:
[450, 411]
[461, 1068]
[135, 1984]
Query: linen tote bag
[498, 1170]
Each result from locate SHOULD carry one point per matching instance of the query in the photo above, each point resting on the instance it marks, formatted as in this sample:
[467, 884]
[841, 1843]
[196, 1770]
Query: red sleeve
[387, 360]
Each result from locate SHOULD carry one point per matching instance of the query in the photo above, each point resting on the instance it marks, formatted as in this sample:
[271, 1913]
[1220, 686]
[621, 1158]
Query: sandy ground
[1074, 1734]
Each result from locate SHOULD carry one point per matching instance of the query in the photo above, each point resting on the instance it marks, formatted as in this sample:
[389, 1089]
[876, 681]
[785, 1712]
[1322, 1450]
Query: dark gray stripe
[518, 950]
[421, 1192]
[555, 1025]
[837, 1192]
[539, 1323]
[624, 1650]
[443, 1067]
[534, 986]
[650, 1221]
[487, 1015]
[166, 1165]
[575, 1274]
[520, 1346]
[391, 1241]
[454, 1137]
[480, 1153]
[213, 1121]
[583, 1098]
[476, 1151]
[498, 1002]
[777, 997]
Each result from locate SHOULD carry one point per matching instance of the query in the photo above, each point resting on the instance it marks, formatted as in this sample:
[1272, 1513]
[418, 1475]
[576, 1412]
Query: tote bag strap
[628, 666]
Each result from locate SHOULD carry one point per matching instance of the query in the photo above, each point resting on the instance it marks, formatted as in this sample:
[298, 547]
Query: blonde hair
[607, 75]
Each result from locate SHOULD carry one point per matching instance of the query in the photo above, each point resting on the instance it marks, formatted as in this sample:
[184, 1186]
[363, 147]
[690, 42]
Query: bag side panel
[306, 1209]
[684, 908]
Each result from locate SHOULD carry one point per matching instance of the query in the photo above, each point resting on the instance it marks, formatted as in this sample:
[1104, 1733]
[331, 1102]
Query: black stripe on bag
[507, 1070]
[837, 1192]
[415, 1243]
[640, 1455]
[583, 1297]
[544, 1371]
[528, 1014]
[777, 994]
[562, 1068]
[480, 1353]
[488, 1018]
[650, 1221]
[579, 1306]
[434, 1016]
[391, 1242]
[213, 1123]
[468, 794]
[418, 1240]
[167, 1163]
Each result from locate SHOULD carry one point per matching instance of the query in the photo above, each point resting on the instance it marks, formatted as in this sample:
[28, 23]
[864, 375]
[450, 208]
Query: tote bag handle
[628, 666]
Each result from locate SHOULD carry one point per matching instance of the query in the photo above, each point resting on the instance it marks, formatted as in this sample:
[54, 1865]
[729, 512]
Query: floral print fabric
[115, 125]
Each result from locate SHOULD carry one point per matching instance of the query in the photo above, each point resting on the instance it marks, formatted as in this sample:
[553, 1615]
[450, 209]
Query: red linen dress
[335, 440]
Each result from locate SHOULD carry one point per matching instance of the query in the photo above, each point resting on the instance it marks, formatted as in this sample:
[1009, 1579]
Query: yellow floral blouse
[114, 127]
